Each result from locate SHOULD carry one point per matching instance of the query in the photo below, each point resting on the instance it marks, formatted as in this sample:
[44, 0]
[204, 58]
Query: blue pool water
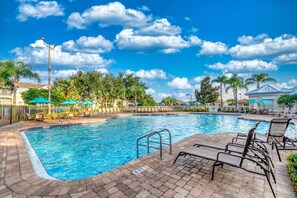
[81, 151]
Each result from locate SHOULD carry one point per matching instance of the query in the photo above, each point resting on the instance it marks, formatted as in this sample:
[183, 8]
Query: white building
[6, 95]
[269, 93]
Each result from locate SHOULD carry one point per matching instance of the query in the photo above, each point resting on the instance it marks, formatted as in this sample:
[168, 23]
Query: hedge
[292, 168]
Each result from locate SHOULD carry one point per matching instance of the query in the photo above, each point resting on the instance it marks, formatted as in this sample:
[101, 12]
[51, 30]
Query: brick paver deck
[189, 177]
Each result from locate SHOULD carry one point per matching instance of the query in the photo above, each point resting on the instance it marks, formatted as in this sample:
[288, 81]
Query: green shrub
[292, 168]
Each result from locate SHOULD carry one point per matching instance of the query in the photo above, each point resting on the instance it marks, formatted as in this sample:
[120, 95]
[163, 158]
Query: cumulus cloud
[292, 83]
[114, 13]
[244, 66]
[249, 40]
[285, 59]
[149, 74]
[54, 74]
[102, 70]
[210, 48]
[159, 27]
[36, 53]
[285, 44]
[41, 9]
[144, 8]
[180, 83]
[127, 39]
[150, 91]
[88, 44]
[198, 79]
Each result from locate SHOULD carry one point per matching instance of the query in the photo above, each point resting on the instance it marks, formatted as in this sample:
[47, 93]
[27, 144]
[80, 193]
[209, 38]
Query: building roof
[268, 89]
[30, 85]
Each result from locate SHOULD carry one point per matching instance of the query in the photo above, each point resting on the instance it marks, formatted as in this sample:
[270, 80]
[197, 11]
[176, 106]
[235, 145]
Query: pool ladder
[160, 142]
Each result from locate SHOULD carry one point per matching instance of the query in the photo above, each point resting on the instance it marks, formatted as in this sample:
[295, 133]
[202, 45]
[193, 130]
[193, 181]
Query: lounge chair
[28, 117]
[227, 157]
[264, 112]
[39, 117]
[254, 111]
[275, 135]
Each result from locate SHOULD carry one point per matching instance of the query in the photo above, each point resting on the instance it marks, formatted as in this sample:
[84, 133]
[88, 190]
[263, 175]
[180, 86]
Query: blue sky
[171, 45]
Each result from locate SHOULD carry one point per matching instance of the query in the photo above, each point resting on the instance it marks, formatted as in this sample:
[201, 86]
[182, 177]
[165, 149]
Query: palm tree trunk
[236, 102]
[221, 90]
[15, 84]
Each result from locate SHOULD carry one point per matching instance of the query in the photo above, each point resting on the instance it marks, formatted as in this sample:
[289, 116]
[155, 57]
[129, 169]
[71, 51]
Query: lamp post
[49, 46]
[191, 97]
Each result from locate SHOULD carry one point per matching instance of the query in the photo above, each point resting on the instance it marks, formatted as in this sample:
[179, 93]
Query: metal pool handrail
[160, 142]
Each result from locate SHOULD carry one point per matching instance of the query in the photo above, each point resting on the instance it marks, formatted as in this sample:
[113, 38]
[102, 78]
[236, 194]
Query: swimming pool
[81, 151]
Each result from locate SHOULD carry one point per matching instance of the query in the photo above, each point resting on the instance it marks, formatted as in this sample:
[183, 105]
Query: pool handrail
[148, 136]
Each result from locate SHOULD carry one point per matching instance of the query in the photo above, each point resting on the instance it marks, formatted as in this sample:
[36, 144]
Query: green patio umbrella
[87, 102]
[39, 100]
[197, 103]
[252, 101]
[69, 102]
[263, 101]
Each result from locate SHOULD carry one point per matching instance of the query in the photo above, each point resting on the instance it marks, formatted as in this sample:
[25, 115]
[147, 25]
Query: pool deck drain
[189, 177]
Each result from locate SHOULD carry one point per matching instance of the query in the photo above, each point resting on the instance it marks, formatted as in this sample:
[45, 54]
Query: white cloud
[159, 27]
[249, 40]
[144, 8]
[210, 48]
[285, 59]
[54, 74]
[199, 78]
[244, 66]
[193, 29]
[180, 83]
[102, 70]
[149, 74]
[36, 53]
[42, 9]
[150, 91]
[285, 44]
[113, 13]
[187, 18]
[292, 83]
[88, 44]
[127, 39]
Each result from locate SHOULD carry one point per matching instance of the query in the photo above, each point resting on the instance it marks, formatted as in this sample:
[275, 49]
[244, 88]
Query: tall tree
[258, 79]
[222, 80]
[207, 93]
[169, 100]
[235, 83]
[15, 71]
[138, 92]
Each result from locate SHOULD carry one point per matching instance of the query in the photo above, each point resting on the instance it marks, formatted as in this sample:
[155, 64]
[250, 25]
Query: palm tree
[138, 92]
[17, 70]
[222, 80]
[258, 78]
[235, 82]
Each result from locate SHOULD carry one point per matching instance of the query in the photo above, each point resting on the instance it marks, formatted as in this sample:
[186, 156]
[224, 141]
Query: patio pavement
[189, 177]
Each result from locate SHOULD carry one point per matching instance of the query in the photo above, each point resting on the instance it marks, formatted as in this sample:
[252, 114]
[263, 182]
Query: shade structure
[186, 103]
[197, 103]
[69, 102]
[87, 102]
[39, 100]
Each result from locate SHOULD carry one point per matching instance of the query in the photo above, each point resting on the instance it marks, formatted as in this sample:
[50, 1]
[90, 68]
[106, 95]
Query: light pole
[49, 46]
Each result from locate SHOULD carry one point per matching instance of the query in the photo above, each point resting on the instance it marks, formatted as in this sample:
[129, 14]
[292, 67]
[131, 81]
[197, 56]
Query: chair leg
[213, 168]
[180, 154]
[279, 157]
[267, 177]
